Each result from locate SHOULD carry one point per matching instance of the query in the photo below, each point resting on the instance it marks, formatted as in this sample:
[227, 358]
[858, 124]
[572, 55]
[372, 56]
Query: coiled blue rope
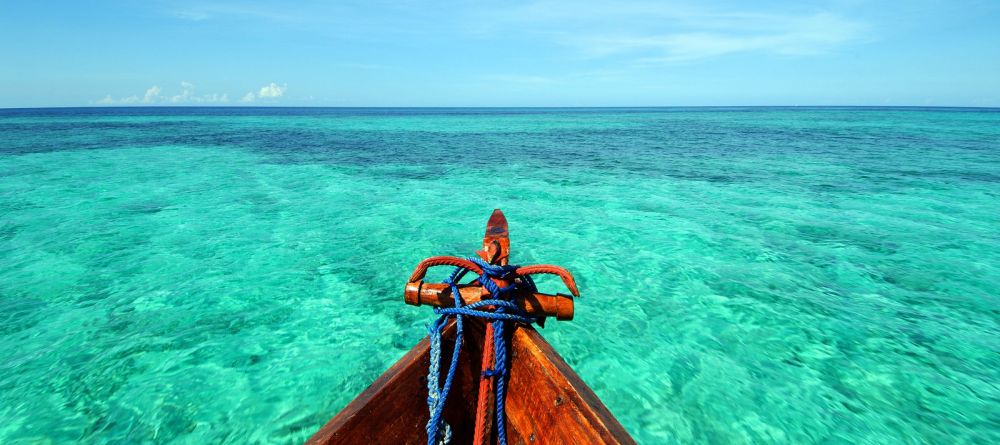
[438, 431]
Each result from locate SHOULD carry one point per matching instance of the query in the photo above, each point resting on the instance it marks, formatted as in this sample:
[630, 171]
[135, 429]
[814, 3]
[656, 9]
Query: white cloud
[152, 94]
[183, 97]
[272, 90]
[108, 100]
[186, 95]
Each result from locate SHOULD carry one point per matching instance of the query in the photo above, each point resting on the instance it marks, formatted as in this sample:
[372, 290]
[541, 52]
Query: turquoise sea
[749, 275]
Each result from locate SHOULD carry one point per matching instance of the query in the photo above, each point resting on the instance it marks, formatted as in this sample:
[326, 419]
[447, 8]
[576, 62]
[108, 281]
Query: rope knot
[498, 310]
[495, 270]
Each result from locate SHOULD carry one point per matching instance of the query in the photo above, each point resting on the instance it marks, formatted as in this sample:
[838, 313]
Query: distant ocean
[749, 275]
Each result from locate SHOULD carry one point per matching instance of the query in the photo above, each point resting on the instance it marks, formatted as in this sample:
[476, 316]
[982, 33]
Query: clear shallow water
[749, 275]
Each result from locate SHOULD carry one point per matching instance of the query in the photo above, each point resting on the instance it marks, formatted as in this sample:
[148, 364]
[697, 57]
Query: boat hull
[547, 403]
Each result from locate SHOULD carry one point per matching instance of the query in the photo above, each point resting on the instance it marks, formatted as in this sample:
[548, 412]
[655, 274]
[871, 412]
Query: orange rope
[484, 406]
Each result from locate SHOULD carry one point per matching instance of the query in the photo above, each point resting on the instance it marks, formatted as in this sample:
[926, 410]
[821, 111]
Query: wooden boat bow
[546, 402]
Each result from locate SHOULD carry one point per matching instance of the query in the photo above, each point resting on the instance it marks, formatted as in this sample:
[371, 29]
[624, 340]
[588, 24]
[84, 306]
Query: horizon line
[439, 107]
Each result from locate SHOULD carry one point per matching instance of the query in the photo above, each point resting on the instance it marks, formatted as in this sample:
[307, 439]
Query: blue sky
[538, 53]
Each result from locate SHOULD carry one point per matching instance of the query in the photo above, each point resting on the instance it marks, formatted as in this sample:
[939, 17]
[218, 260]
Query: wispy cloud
[362, 66]
[191, 14]
[643, 31]
[519, 79]
[205, 10]
[658, 32]
[793, 36]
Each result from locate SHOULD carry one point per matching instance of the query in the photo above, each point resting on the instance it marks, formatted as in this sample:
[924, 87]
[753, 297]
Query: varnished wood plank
[393, 410]
[548, 403]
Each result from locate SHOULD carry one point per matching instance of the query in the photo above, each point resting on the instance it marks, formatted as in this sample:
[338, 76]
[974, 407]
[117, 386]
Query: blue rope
[438, 431]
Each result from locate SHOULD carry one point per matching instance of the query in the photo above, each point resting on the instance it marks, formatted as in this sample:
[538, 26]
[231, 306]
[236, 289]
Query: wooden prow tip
[496, 242]
[497, 225]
